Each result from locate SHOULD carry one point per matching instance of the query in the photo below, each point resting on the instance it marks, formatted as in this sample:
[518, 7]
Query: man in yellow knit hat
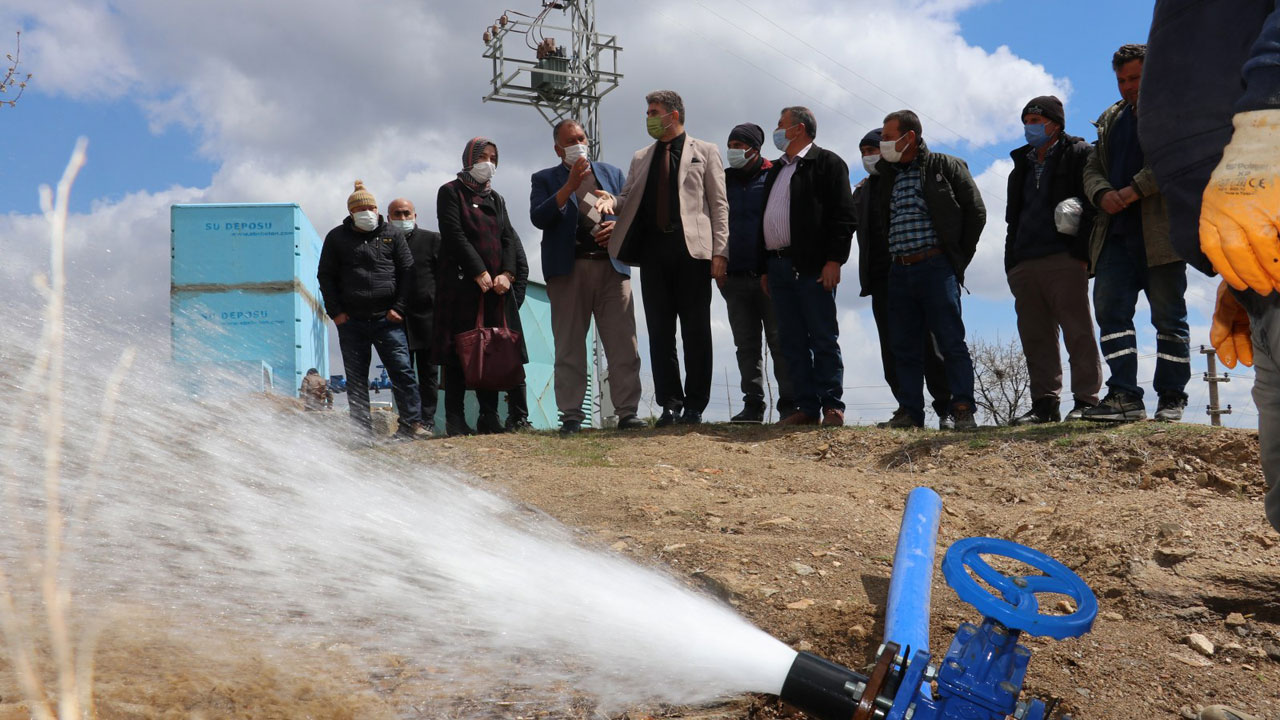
[364, 278]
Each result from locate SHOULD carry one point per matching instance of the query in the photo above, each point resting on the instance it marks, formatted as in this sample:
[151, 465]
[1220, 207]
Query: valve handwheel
[1017, 607]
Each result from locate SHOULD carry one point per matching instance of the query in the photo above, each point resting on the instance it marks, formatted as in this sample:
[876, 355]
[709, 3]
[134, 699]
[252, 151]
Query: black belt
[782, 252]
[917, 257]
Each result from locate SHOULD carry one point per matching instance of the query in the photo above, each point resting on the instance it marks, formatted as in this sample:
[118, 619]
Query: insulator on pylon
[503, 20]
[487, 37]
[494, 29]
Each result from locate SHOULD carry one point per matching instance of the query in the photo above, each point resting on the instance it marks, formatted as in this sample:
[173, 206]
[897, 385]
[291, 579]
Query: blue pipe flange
[1017, 607]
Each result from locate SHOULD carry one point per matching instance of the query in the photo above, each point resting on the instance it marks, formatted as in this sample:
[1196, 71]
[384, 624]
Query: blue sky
[293, 106]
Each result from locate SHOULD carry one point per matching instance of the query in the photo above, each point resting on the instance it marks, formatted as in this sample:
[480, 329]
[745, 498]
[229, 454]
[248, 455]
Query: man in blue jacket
[583, 281]
[749, 307]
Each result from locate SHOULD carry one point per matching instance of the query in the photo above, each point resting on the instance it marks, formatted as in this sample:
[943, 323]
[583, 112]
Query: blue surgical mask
[737, 157]
[1035, 134]
[780, 140]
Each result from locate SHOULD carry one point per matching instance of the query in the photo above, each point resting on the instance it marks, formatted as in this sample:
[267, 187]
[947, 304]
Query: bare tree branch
[1002, 386]
[11, 75]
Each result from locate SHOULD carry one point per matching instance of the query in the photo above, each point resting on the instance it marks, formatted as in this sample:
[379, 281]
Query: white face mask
[483, 172]
[573, 152]
[405, 225]
[869, 162]
[365, 220]
[889, 150]
[737, 157]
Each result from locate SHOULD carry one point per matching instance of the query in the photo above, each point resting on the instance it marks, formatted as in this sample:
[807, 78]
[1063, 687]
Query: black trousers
[455, 397]
[935, 372]
[675, 287]
[428, 384]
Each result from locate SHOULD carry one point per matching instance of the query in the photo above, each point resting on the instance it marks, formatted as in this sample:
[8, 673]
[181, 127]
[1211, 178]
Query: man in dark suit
[583, 282]
[420, 316]
[806, 234]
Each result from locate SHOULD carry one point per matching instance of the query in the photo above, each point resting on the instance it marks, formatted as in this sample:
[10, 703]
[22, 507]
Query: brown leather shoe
[833, 417]
[799, 417]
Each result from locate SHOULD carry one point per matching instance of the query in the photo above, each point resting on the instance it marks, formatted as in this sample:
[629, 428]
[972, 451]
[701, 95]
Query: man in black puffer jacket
[1046, 258]
[364, 276]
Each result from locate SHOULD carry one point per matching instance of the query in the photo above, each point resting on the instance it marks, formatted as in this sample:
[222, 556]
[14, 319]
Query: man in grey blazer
[673, 222]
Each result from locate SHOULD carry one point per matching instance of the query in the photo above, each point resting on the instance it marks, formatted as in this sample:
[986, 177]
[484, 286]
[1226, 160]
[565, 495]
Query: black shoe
[690, 418]
[964, 419]
[489, 424]
[902, 420]
[946, 422]
[518, 424]
[1170, 407]
[1044, 410]
[750, 414]
[570, 427]
[454, 426]
[632, 422]
[669, 417]
[1077, 412]
[1117, 406]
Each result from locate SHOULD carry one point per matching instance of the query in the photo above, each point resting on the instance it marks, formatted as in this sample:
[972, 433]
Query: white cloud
[294, 99]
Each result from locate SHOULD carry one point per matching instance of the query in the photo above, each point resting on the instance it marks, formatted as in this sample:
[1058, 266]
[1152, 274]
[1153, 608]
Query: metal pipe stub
[821, 688]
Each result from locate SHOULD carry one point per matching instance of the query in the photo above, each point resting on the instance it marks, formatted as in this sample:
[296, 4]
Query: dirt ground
[797, 529]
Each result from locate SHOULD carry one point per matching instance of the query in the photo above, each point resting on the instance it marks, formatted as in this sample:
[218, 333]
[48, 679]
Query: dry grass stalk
[73, 665]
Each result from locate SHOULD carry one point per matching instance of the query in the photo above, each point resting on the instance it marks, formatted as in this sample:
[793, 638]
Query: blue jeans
[925, 298]
[1118, 278]
[810, 337]
[355, 336]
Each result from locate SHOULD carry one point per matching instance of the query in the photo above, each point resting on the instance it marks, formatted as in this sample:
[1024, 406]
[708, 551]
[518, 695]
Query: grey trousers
[750, 311]
[1050, 293]
[594, 288]
[1264, 321]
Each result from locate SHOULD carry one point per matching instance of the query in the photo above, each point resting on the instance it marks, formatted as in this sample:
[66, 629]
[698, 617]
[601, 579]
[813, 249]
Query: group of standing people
[774, 236]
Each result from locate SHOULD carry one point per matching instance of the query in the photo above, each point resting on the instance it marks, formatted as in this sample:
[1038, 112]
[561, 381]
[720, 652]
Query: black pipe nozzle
[822, 688]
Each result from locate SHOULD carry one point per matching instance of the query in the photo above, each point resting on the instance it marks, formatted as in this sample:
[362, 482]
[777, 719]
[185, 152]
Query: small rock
[770, 591]
[1199, 643]
[1113, 616]
[1065, 606]
[1272, 651]
[619, 546]
[1188, 713]
[804, 604]
[1242, 631]
[1231, 647]
[1192, 660]
[1234, 620]
[1196, 612]
[1169, 530]
[776, 521]
[801, 569]
[1084, 692]
[676, 546]
[857, 633]
[1172, 556]
[804, 646]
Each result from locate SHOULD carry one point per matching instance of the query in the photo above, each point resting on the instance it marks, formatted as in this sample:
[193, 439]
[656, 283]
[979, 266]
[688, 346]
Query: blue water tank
[244, 296]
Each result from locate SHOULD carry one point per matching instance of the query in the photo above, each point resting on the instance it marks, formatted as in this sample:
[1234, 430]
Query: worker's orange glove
[1230, 331]
[1242, 205]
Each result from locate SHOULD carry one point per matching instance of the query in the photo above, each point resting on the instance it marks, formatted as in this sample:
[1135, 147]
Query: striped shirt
[910, 225]
[777, 209]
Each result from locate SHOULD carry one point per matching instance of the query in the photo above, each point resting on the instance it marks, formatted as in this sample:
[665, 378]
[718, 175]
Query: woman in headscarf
[477, 264]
